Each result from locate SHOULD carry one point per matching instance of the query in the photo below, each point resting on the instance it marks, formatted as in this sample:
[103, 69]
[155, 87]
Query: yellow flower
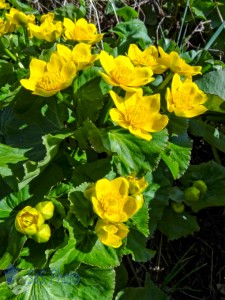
[121, 72]
[136, 185]
[81, 31]
[6, 27]
[49, 16]
[43, 235]
[185, 98]
[4, 5]
[148, 58]
[48, 78]
[111, 200]
[111, 234]
[46, 208]
[48, 30]
[177, 64]
[139, 114]
[81, 55]
[29, 221]
[18, 18]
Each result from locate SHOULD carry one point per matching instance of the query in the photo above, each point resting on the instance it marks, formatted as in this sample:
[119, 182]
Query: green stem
[64, 101]
[7, 51]
[165, 82]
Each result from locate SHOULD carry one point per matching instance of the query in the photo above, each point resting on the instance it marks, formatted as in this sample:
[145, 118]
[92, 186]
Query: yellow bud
[136, 186]
[201, 186]
[43, 235]
[46, 208]
[29, 220]
[192, 194]
[178, 207]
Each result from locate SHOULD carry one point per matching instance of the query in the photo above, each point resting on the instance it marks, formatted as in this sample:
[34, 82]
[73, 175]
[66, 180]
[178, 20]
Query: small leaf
[213, 83]
[177, 155]
[136, 246]
[176, 225]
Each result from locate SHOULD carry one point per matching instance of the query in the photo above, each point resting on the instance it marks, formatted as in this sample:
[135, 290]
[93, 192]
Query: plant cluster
[96, 148]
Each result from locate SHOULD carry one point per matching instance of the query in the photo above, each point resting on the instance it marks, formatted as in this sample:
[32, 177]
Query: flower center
[122, 75]
[137, 116]
[112, 203]
[182, 100]
[50, 81]
[148, 60]
[28, 219]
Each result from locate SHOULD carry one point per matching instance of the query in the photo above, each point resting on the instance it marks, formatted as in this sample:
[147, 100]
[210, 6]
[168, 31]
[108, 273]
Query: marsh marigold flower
[48, 78]
[178, 64]
[121, 72]
[19, 18]
[46, 208]
[81, 31]
[185, 99]
[111, 200]
[111, 234]
[82, 57]
[29, 220]
[43, 235]
[6, 27]
[49, 30]
[139, 114]
[4, 5]
[148, 58]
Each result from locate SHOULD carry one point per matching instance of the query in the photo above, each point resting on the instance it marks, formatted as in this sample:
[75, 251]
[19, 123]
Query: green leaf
[213, 83]
[127, 13]
[176, 225]
[83, 246]
[86, 283]
[13, 200]
[149, 291]
[140, 220]
[213, 175]
[130, 32]
[136, 246]
[82, 208]
[5, 291]
[209, 133]
[215, 103]
[134, 155]
[177, 155]
[70, 11]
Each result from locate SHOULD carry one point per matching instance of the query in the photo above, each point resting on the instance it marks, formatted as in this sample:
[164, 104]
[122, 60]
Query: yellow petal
[118, 117]
[107, 61]
[108, 79]
[140, 133]
[131, 206]
[198, 110]
[158, 122]
[118, 101]
[142, 76]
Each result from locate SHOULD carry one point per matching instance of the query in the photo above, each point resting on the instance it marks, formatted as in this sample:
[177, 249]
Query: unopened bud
[43, 235]
[46, 208]
[192, 194]
[201, 186]
[178, 207]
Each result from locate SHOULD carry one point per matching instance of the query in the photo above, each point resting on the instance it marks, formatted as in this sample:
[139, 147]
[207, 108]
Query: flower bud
[201, 186]
[178, 207]
[43, 235]
[29, 220]
[46, 208]
[192, 194]
[111, 234]
[136, 186]
[139, 200]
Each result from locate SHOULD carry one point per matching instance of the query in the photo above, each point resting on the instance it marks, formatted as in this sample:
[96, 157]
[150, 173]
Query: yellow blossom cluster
[48, 78]
[31, 221]
[141, 114]
[115, 201]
